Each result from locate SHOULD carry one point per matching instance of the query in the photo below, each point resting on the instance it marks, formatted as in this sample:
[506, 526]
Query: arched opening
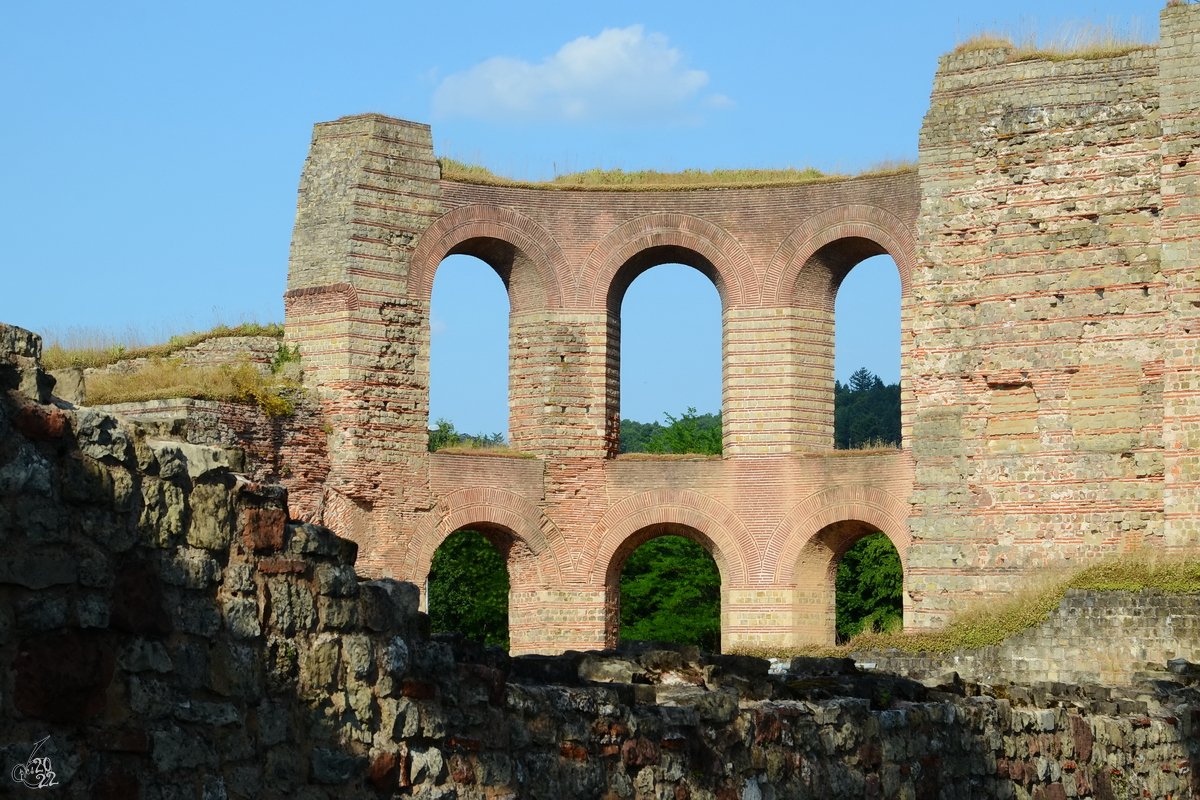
[665, 584]
[665, 353]
[867, 356]
[468, 585]
[868, 588]
[851, 291]
[468, 353]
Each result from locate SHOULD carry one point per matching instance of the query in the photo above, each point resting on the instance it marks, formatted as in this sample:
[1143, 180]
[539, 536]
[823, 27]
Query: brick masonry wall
[167, 632]
[776, 256]
[1043, 317]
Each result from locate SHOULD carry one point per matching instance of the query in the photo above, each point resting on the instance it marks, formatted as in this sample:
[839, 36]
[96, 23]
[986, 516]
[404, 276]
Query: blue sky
[153, 149]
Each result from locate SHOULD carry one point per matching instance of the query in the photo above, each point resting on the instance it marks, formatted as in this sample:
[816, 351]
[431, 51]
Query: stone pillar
[368, 190]
[558, 376]
[778, 384]
[1179, 74]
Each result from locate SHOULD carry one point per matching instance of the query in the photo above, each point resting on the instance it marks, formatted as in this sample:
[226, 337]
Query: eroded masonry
[168, 631]
[1050, 308]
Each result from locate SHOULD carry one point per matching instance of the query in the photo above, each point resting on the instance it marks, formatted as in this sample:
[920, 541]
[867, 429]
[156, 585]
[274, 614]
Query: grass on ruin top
[863, 448]
[668, 457]
[87, 348]
[169, 379]
[483, 450]
[653, 180]
[990, 620]
[1082, 39]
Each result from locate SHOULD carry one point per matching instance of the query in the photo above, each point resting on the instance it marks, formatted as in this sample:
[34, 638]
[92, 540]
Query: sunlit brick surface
[1050, 304]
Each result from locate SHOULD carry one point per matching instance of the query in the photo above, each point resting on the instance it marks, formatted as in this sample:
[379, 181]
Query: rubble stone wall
[167, 631]
[1110, 638]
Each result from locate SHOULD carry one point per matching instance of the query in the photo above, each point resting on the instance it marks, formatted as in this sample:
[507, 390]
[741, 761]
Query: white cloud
[623, 75]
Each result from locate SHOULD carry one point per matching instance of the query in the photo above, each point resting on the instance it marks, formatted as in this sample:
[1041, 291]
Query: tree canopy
[688, 433]
[671, 592]
[865, 411]
[869, 584]
[468, 589]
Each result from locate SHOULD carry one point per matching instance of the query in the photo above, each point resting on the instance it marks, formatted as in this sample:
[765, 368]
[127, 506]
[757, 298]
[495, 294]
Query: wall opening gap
[670, 362]
[468, 587]
[468, 355]
[670, 591]
[867, 356]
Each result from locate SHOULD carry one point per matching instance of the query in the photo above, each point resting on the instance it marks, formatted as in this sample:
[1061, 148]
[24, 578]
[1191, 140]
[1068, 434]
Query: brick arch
[732, 546]
[806, 519]
[733, 272]
[448, 234]
[491, 508]
[848, 222]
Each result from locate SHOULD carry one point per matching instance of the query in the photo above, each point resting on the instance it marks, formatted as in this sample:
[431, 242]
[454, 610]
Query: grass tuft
[990, 620]
[1081, 39]
[483, 450]
[875, 445]
[91, 348]
[168, 379]
[653, 180]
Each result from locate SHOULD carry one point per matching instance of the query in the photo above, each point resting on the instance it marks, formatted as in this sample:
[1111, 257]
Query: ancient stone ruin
[169, 631]
[200, 602]
[1050, 307]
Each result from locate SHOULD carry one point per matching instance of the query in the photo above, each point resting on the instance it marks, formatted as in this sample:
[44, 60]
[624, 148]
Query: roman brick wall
[368, 217]
[1050, 359]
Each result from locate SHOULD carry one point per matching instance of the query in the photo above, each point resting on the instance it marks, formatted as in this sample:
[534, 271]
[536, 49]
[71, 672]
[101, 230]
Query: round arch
[647, 241]
[525, 255]
[496, 513]
[874, 507]
[728, 540]
[808, 544]
[864, 231]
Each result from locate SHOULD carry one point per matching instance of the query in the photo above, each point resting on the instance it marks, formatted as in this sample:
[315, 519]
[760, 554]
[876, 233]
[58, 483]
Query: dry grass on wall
[1083, 39]
[96, 348]
[652, 180]
[990, 620]
[166, 379]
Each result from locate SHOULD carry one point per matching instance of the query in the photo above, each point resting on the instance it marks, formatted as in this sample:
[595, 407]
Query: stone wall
[372, 225]
[1053, 361]
[1111, 638]
[168, 632]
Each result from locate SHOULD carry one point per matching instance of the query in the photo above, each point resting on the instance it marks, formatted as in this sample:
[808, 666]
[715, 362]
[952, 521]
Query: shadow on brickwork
[166, 632]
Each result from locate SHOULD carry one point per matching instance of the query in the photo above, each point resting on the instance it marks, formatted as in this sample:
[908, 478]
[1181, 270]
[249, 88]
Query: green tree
[869, 586]
[671, 592]
[636, 435]
[468, 589]
[688, 433]
[865, 410]
[443, 434]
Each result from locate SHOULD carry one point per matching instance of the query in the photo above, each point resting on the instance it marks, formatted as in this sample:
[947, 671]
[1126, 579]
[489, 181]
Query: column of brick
[558, 381]
[1179, 74]
[778, 381]
[368, 190]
